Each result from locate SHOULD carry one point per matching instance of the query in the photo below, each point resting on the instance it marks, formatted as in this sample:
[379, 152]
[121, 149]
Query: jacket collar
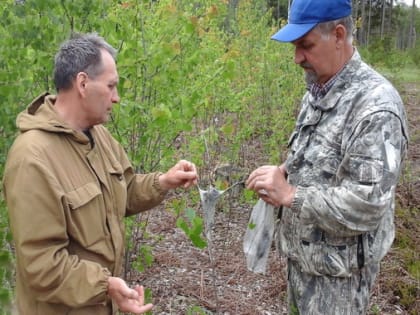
[342, 82]
[40, 115]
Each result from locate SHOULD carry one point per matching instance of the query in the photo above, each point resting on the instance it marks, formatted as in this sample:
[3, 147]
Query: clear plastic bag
[258, 236]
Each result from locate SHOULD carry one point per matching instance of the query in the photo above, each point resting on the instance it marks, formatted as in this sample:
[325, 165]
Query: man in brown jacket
[68, 185]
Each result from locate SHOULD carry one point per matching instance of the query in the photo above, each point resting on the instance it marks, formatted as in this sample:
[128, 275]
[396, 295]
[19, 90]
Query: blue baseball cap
[304, 15]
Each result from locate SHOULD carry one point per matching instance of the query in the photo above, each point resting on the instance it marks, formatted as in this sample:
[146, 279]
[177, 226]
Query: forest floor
[186, 280]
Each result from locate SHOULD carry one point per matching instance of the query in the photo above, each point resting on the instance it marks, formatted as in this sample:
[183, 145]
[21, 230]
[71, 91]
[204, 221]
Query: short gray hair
[81, 53]
[325, 28]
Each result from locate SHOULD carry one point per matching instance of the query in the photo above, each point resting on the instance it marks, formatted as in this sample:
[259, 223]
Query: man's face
[317, 55]
[101, 92]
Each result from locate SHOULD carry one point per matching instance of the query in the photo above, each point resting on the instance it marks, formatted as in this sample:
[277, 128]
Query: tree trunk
[389, 27]
[383, 19]
[363, 28]
[369, 22]
[356, 19]
[412, 30]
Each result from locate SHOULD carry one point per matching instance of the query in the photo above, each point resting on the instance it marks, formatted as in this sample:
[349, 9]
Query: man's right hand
[183, 173]
[270, 182]
[128, 300]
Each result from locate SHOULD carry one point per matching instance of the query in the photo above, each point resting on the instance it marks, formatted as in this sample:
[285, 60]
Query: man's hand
[183, 174]
[128, 300]
[270, 182]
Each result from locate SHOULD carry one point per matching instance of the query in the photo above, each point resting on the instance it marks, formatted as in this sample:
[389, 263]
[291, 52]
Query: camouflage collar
[325, 97]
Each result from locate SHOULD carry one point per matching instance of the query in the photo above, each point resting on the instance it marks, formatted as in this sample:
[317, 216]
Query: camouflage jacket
[345, 159]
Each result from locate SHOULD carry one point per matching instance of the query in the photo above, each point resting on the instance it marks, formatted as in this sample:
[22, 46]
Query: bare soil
[186, 280]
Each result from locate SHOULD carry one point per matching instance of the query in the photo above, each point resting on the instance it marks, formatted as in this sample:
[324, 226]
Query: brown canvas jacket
[66, 203]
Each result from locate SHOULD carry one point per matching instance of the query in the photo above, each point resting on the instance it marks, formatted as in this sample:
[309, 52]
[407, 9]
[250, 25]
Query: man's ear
[340, 35]
[81, 81]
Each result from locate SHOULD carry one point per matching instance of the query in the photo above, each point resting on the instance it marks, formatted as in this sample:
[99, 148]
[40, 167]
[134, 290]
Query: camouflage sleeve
[366, 180]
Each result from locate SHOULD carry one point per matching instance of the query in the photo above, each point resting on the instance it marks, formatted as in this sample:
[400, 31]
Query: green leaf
[180, 223]
[161, 113]
[251, 225]
[198, 241]
[193, 229]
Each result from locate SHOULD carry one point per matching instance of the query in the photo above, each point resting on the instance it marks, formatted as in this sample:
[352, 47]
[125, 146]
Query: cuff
[298, 199]
[156, 184]
[105, 283]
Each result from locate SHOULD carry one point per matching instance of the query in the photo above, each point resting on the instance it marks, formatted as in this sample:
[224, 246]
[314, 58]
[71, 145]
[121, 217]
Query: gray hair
[325, 28]
[81, 53]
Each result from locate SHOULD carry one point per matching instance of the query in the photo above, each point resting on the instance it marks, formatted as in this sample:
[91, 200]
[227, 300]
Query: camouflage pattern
[345, 159]
[314, 295]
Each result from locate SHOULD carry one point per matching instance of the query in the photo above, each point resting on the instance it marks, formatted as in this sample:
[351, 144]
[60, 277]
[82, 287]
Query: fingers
[187, 166]
[182, 174]
[140, 292]
[185, 174]
[191, 176]
[125, 293]
[140, 309]
[139, 306]
[190, 182]
[283, 168]
[268, 182]
[186, 177]
[131, 294]
[260, 178]
[133, 301]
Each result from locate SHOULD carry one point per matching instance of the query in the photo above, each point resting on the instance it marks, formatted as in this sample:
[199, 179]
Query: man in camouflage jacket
[337, 187]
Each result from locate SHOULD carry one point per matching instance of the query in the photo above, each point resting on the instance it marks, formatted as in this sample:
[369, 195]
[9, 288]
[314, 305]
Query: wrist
[110, 281]
[161, 183]
[291, 197]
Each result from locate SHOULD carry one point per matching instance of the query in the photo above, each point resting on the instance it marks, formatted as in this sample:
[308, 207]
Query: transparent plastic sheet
[260, 230]
[208, 203]
[259, 235]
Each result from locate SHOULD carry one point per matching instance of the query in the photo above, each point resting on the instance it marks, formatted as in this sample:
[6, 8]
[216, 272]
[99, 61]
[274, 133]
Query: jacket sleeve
[38, 225]
[366, 180]
[144, 192]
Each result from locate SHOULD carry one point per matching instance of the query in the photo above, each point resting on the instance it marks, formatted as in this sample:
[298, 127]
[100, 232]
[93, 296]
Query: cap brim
[292, 32]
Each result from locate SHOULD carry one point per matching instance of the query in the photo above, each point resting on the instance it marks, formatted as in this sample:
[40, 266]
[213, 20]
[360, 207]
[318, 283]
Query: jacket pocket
[365, 169]
[324, 154]
[86, 215]
[82, 195]
[324, 258]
